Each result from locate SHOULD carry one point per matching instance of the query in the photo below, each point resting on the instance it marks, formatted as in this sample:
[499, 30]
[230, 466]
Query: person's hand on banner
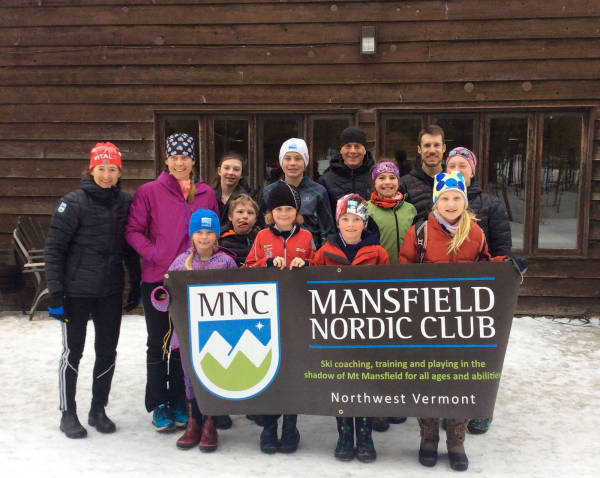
[297, 262]
[279, 262]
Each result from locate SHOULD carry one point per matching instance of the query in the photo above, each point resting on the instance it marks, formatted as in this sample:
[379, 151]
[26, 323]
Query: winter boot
[455, 438]
[365, 450]
[193, 430]
[70, 426]
[223, 422]
[430, 437]
[477, 426]
[381, 424]
[290, 436]
[396, 420]
[344, 449]
[268, 438]
[210, 439]
[97, 418]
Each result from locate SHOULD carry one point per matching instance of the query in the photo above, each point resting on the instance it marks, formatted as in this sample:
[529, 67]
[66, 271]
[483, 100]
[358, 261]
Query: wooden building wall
[74, 72]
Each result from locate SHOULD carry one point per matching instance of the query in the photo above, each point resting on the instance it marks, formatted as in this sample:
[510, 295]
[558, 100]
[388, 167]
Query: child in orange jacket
[451, 235]
[282, 244]
[352, 245]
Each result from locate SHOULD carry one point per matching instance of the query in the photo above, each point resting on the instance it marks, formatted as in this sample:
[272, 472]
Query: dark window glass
[326, 139]
[401, 136]
[507, 170]
[457, 132]
[230, 135]
[559, 182]
[273, 132]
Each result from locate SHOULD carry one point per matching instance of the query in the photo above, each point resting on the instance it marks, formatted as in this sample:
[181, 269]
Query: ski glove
[55, 309]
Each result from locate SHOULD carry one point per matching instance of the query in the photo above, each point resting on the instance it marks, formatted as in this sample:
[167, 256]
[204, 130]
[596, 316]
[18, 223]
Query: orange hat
[105, 153]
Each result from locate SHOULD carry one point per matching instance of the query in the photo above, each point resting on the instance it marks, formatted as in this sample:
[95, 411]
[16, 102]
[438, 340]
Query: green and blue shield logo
[234, 337]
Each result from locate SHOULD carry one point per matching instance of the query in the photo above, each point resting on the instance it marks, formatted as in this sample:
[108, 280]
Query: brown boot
[210, 439]
[430, 437]
[455, 438]
[193, 430]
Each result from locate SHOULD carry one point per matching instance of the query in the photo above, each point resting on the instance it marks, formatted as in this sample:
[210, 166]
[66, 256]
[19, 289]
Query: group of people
[359, 213]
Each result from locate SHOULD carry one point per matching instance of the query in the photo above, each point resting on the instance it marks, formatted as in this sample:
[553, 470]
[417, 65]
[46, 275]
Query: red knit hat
[105, 153]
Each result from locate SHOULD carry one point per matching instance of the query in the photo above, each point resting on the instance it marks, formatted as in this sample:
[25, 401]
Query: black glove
[519, 263]
[55, 309]
[133, 298]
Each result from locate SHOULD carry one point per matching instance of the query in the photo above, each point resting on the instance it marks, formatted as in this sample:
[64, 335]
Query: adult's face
[431, 149]
[230, 172]
[180, 166]
[460, 164]
[106, 175]
[292, 165]
[353, 154]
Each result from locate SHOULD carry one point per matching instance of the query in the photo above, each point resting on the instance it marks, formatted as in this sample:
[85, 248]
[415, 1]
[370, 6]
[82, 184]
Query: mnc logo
[234, 337]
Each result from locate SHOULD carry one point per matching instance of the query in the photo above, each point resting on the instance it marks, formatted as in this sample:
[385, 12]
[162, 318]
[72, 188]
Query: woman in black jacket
[490, 212]
[492, 218]
[84, 254]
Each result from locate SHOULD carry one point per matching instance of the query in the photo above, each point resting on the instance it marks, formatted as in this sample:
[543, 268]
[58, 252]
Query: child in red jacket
[451, 235]
[352, 245]
[282, 244]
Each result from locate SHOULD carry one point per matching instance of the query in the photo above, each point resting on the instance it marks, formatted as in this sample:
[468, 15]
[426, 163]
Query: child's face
[451, 205]
[284, 217]
[386, 185]
[460, 164]
[351, 227]
[230, 172]
[243, 218]
[292, 165]
[204, 241]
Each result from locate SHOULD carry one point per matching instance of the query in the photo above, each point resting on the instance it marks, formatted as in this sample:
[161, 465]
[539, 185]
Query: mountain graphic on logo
[235, 368]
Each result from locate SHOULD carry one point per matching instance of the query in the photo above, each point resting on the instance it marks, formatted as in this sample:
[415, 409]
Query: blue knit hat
[205, 219]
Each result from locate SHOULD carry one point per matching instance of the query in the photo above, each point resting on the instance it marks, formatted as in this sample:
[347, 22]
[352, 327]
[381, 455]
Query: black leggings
[164, 376]
[105, 312]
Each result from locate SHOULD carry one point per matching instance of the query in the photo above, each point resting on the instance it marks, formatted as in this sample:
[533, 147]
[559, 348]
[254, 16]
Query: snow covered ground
[546, 420]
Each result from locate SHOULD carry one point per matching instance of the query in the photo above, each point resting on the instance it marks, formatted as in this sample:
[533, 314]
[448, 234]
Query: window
[257, 137]
[530, 160]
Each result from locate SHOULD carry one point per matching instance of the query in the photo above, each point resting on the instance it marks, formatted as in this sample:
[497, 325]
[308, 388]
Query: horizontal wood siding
[77, 72]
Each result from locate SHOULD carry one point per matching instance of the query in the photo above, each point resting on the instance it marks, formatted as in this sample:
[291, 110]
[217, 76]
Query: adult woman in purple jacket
[158, 230]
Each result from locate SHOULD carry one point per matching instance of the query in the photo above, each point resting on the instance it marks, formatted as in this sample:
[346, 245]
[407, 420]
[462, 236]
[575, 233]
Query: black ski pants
[105, 312]
[164, 375]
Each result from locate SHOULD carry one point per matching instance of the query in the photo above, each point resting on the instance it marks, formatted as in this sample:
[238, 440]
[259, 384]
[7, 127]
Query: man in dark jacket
[349, 171]
[418, 183]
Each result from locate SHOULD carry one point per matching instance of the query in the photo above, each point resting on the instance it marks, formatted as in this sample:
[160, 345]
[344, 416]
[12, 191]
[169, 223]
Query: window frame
[206, 164]
[535, 128]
